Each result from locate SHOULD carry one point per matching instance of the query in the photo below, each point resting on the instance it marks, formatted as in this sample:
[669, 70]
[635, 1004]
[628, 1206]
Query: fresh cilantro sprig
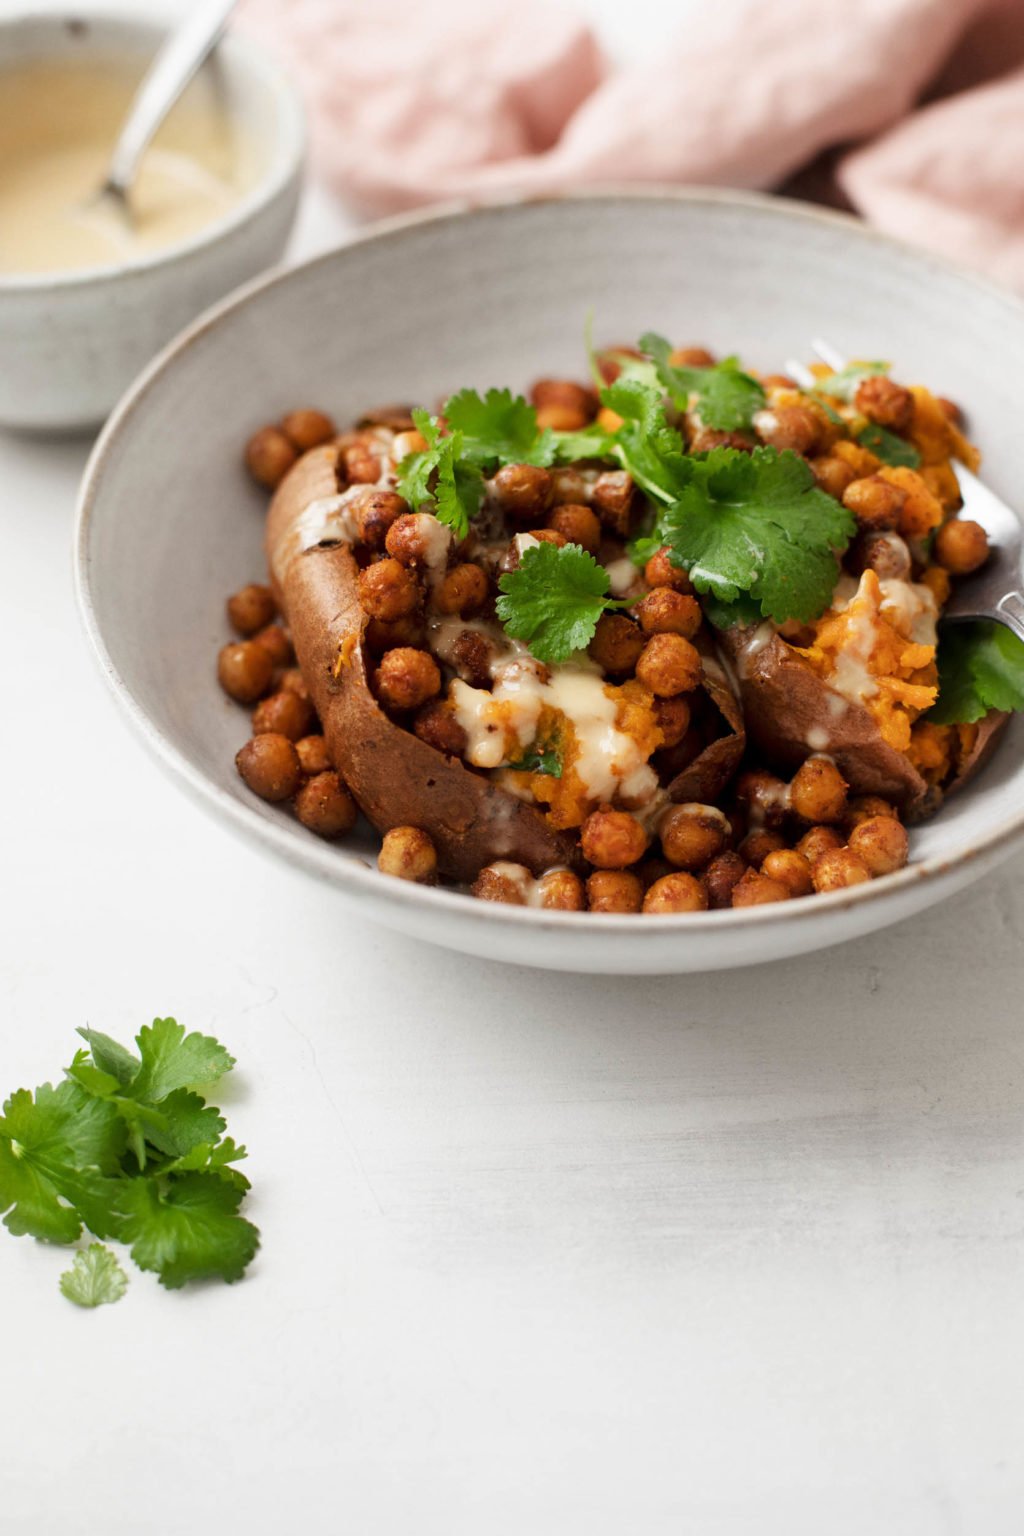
[95, 1278]
[756, 524]
[725, 397]
[553, 600]
[441, 477]
[128, 1148]
[981, 667]
[888, 446]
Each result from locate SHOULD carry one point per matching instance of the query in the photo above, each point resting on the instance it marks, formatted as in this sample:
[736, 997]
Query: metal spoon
[996, 591]
[177, 61]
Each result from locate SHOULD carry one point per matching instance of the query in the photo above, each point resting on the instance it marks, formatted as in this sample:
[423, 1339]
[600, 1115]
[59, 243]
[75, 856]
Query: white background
[738, 1253]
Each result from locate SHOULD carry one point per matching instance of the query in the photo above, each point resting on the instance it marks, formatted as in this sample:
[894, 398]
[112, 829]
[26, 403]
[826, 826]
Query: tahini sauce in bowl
[59, 118]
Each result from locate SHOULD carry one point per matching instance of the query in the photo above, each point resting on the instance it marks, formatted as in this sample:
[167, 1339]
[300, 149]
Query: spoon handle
[170, 72]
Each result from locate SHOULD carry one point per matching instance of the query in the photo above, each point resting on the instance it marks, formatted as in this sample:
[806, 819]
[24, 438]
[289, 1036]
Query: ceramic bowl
[71, 342]
[169, 525]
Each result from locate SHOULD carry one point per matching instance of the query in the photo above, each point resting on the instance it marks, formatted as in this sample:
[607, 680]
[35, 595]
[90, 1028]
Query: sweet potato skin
[791, 712]
[703, 780]
[396, 779]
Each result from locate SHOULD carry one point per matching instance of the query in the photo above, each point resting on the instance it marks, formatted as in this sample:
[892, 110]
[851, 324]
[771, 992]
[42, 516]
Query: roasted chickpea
[292, 681]
[543, 536]
[407, 678]
[884, 553]
[359, 464]
[577, 525]
[866, 808]
[950, 410]
[567, 485]
[833, 475]
[522, 491]
[561, 891]
[818, 791]
[778, 381]
[284, 714]
[961, 546]
[307, 429]
[324, 805]
[245, 670]
[375, 512]
[251, 608]
[757, 890]
[612, 499]
[669, 665]
[874, 503]
[882, 844]
[269, 764]
[566, 393]
[561, 418]
[839, 868]
[437, 726]
[660, 572]
[676, 893]
[790, 869]
[313, 755]
[794, 427]
[817, 841]
[692, 835]
[703, 439]
[673, 717]
[757, 845]
[721, 877]
[381, 637]
[612, 839]
[617, 644]
[396, 417]
[668, 612]
[387, 590]
[464, 590]
[614, 890]
[276, 642]
[472, 655]
[886, 403]
[691, 357]
[503, 882]
[765, 797]
[417, 539]
[409, 854]
[269, 456]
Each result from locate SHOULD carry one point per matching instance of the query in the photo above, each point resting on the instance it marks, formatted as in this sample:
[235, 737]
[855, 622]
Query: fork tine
[828, 354]
[803, 376]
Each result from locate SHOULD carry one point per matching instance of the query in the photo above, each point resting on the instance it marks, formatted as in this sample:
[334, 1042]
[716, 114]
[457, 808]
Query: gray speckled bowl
[71, 342]
[169, 525]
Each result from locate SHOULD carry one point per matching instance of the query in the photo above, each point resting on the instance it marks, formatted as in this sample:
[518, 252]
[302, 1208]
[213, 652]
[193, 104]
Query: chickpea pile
[429, 602]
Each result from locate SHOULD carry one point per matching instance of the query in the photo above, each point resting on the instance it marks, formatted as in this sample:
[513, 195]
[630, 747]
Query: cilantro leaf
[888, 447]
[744, 611]
[95, 1277]
[844, 383]
[981, 667]
[591, 442]
[645, 444]
[59, 1153]
[172, 1059]
[187, 1227]
[553, 600]
[500, 428]
[439, 476]
[213, 1158]
[726, 397]
[109, 1056]
[539, 760]
[757, 524]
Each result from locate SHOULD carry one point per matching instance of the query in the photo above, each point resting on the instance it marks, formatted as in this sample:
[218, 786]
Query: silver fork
[995, 591]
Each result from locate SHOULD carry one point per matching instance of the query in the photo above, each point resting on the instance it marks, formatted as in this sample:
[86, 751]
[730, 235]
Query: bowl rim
[353, 877]
[287, 157]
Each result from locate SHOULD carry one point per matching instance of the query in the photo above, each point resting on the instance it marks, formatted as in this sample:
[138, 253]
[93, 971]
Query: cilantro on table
[94, 1278]
[888, 446]
[128, 1148]
[981, 667]
[553, 600]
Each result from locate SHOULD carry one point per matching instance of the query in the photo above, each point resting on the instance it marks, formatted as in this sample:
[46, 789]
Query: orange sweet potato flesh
[396, 779]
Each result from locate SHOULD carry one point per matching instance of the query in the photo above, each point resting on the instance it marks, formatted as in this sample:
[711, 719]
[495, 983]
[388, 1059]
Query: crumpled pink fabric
[917, 105]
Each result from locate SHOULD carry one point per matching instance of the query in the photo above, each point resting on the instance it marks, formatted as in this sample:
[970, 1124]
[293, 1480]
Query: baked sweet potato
[703, 777]
[397, 779]
[790, 712]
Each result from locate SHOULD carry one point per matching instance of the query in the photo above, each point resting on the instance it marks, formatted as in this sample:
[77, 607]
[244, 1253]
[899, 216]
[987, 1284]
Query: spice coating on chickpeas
[614, 734]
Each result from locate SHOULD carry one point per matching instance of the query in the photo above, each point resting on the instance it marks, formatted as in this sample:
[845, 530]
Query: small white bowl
[71, 342]
[168, 524]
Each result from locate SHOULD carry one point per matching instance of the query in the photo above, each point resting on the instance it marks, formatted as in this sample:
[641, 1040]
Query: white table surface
[729, 1254]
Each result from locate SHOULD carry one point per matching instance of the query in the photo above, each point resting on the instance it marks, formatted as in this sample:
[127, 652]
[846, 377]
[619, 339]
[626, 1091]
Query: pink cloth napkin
[917, 106]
